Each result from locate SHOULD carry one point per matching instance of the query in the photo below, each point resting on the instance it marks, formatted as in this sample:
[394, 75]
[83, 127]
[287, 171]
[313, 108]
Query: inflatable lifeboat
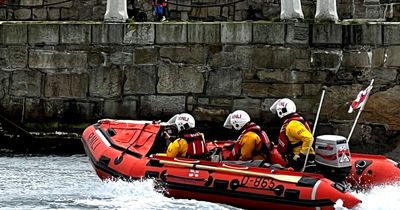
[126, 149]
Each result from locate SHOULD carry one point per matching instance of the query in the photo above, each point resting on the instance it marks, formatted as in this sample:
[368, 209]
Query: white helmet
[237, 120]
[182, 121]
[283, 107]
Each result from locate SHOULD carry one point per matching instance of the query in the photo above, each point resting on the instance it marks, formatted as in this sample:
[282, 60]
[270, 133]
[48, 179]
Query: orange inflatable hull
[366, 171]
[128, 150]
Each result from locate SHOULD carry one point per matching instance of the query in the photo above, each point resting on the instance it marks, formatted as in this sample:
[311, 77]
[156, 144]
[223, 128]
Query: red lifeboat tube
[127, 150]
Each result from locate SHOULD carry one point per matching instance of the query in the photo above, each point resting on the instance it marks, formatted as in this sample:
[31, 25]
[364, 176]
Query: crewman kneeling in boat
[253, 143]
[295, 137]
[188, 143]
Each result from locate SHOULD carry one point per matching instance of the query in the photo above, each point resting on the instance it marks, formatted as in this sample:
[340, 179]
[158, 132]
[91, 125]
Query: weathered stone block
[380, 75]
[220, 101]
[378, 111]
[15, 34]
[240, 15]
[3, 13]
[140, 80]
[69, 13]
[236, 32]
[96, 59]
[173, 33]
[372, 12]
[204, 33]
[356, 59]
[210, 114]
[67, 4]
[302, 64]
[279, 76]
[54, 14]
[17, 56]
[372, 34]
[297, 33]
[4, 83]
[31, 2]
[338, 99]
[362, 34]
[139, 33]
[260, 90]
[146, 55]
[225, 82]
[189, 55]
[312, 89]
[75, 34]
[46, 59]
[107, 33]
[393, 56]
[71, 110]
[106, 82]
[121, 58]
[214, 11]
[269, 33]
[183, 8]
[69, 85]
[325, 34]
[175, 79]
[378, 57]
[39, 14]
[238, 56]
[251, 106]
[391, 34]
[26, 83]
[273, 58]
[326, 59]
[199, 12]
[23, 14]
[158, 105]
[125, 108]
[4, 57]
[33, 109]
[44, 34]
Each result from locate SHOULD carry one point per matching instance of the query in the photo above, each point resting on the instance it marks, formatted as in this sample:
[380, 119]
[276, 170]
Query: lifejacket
[196, 146]
[266, 147]
[284, 145]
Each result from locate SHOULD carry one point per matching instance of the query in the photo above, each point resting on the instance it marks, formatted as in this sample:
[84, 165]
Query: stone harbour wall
[61, 76]
[183, 10]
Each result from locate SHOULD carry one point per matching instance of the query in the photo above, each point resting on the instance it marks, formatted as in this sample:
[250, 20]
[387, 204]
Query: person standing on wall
[160, 9]
[295, 137]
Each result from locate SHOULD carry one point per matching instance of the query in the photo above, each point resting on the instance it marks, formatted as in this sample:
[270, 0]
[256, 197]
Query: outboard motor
[332, 155]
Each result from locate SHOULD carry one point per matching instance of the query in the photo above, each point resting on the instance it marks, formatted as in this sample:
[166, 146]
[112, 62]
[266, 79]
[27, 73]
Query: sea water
[59, 182]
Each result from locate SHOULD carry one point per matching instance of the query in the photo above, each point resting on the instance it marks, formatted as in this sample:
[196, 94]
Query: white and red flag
[360, 100]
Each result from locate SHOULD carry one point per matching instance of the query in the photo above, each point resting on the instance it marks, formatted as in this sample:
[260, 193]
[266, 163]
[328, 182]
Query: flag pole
[315, 126]
[359, 111]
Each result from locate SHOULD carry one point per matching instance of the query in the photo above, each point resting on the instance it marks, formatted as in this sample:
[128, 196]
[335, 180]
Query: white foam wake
[141, 195]
[138, 195]
[386, 197]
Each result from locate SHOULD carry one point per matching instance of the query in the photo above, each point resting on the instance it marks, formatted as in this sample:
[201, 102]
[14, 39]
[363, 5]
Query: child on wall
[160, 9]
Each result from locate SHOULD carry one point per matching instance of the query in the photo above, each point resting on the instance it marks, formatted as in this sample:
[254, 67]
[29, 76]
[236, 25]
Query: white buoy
[326, 11]
[291, 10]
[116, 11]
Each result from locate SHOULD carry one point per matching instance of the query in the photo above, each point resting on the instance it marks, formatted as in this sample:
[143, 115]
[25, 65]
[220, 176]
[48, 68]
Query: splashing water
[139, 195]
[385, 197]
[70, 183]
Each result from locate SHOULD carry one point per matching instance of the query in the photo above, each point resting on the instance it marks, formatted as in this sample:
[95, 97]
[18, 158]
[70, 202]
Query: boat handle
[187, 161]
[233, 167]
